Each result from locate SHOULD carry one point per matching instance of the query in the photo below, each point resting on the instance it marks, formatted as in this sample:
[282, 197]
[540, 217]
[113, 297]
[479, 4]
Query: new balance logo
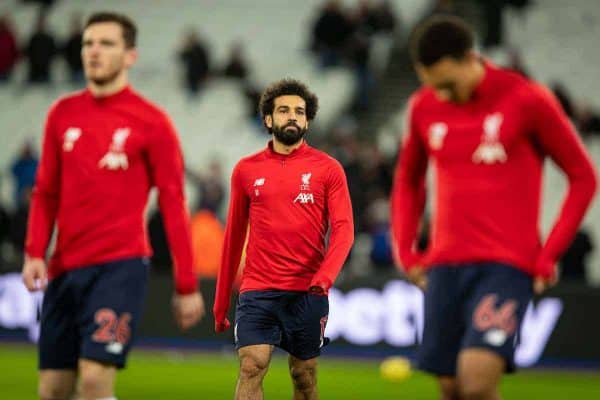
[259, 182]
[305, 198]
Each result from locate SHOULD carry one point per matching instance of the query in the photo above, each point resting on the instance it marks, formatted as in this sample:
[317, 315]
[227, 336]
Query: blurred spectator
[23, 170]
[493, 34]
[252, 94]
[573, 262]
[564, 98]
[360, 53]
[194, 57]
[588, 120]
[40, 51]
[330, 34]
[72, 51]
[376, 17]
[18, 223]
[208, 234]
[161, 256]
[378, 221]
[515, 62]
[237, 66]
[209, 186]
[9, 52]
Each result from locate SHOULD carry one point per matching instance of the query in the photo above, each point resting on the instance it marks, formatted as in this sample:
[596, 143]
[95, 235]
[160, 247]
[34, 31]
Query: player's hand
[418, 276]
[35, 275]
[188, 309]
[541, 284]
[222, 326]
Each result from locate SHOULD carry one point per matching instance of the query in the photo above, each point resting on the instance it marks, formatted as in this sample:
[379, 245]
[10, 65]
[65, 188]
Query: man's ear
[269, 121]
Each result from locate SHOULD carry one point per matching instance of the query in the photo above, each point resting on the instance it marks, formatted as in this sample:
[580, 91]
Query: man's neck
[476, 77]
[109, 88]
[284, 149]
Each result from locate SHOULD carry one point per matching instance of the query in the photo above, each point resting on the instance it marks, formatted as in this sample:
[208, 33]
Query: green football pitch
[177, 375]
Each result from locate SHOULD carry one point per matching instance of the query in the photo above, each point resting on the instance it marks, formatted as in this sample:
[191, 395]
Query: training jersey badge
[490, 150]
[116, 158]
[257, 183]
[71, 136]
[305, 198]
[437, 134]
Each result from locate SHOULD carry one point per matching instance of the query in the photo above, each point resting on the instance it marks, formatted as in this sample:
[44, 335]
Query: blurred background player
[286, 197]
[104, 148]
[486, 131]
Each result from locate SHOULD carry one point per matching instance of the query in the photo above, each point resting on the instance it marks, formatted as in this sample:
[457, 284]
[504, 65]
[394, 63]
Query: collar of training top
[302, 149]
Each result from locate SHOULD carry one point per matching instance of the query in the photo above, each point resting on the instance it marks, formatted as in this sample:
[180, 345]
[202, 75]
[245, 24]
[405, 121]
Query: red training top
[289, 201]
[487, 157]
[100, 158]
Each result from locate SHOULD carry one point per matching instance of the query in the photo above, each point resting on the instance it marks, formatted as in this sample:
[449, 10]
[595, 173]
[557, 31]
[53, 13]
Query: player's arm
[43, 207]
[233, 245]
[341, 236]
[408, 194]
[559, 139]
[167, 169]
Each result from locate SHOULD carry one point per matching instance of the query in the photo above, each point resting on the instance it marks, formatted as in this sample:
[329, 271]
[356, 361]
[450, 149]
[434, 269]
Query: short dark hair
[287, 87]
[441, 36]
[127, 25]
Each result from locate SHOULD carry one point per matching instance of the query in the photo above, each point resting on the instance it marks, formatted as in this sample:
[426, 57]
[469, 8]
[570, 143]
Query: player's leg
[112, 297]
[256, 331]
[495, 308]
[304, 318]
[58, 344]
[443, 329]
[56, 384]
[96, 380]
[304, 377]
[448, 388]
[479, 374]
[254, 363]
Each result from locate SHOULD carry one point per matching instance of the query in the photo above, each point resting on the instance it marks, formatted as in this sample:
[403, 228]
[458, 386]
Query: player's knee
[94, 384]
[304, 376]
[252, 368]
[473, 390]
[54, 392]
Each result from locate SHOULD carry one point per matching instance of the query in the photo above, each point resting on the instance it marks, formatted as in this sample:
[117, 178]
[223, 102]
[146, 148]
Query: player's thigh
[56, 384]
[444, 327]
[256, 320]
[254, 360]
[111, 311]
[59, 342]
[304, 319]
[495, 308]
[479, 372]
[96, 380]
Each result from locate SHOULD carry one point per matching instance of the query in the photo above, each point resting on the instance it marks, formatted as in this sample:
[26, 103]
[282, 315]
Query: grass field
[173, 375]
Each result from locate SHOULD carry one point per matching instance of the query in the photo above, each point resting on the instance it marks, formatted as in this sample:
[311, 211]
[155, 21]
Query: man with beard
[104, 148]
[284, 199]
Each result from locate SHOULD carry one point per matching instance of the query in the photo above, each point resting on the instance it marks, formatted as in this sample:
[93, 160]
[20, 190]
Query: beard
[289, 137]
[107, 78]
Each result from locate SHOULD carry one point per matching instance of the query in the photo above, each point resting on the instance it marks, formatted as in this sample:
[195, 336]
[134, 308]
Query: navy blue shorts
[92, 313]
[293, 321]
[472, 306]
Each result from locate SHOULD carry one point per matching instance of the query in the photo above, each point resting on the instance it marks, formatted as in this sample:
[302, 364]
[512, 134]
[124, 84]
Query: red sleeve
[166, 166]
[45, 194]
[408, 193]
[235, 236]
[561, 142]
[341, 237]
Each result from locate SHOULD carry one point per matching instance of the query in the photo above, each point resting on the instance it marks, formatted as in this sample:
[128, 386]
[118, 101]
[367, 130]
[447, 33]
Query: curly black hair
[438, 37]
[286, 87]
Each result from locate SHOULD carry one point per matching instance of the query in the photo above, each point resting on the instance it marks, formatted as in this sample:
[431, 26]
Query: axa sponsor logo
[116, 158]
[305, 198]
